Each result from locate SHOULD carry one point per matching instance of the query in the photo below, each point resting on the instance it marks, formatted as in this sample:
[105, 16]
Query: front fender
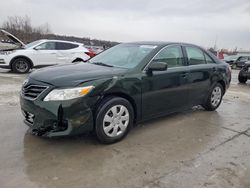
[123, 86]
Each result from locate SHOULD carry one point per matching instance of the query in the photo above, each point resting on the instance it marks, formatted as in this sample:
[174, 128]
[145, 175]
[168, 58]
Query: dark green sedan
[120, 87]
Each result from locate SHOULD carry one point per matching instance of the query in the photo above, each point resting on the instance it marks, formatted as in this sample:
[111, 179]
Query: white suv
[41, 53]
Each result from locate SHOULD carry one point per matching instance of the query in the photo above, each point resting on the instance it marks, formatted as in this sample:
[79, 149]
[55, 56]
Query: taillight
[90, 53]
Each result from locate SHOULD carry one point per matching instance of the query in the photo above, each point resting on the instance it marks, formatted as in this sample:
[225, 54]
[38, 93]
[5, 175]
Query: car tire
[21, 65]
[114, 118]
[214, 98]
[242, 79]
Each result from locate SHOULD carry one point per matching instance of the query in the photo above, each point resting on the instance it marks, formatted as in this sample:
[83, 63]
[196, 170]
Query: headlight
[67, 94]
[6, 52]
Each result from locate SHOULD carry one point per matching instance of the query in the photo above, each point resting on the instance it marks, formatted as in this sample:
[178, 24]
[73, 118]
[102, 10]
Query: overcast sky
[194, 21]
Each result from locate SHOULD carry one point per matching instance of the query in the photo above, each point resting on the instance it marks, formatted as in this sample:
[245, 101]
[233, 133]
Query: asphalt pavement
[194, 148]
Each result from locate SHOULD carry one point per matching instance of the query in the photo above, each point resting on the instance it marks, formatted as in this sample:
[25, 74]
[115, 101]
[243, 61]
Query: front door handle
[214, 69]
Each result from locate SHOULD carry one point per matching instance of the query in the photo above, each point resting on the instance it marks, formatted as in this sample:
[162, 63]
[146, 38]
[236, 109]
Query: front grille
[29, 117]
[33, 91]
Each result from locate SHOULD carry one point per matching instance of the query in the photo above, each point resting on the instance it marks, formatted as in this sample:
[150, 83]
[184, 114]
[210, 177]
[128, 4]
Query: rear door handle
[214, 69]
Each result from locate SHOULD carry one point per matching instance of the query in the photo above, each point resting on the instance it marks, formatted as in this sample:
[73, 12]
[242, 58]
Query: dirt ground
[189, 149]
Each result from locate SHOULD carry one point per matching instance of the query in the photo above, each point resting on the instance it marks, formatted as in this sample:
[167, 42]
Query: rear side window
[171, 55]
[65, 46]
[195, 56]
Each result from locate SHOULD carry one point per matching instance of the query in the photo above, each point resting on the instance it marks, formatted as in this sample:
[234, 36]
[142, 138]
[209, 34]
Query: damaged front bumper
[58, 118]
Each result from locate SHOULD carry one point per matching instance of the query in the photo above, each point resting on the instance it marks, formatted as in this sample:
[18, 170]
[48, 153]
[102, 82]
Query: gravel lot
[189, 149]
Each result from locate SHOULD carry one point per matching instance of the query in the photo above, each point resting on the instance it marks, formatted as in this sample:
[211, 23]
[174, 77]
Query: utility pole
[215, 43]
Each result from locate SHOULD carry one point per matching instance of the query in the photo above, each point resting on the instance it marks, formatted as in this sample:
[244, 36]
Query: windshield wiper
[102, 64]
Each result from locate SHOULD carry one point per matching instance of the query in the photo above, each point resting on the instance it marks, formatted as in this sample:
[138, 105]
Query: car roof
[54, 40]
[160, 43]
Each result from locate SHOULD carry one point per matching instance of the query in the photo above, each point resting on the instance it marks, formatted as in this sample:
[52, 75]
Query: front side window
[195, 56]
[124, 55]
[47, 46]
[171, 55]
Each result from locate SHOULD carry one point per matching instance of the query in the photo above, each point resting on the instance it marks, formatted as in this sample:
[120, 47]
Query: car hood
[69, 75]
[14, 39]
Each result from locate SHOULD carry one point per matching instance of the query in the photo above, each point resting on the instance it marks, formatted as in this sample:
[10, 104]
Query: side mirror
[157, 66]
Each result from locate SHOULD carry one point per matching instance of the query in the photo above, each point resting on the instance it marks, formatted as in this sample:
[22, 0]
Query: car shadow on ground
[90, 138]
[7, 71]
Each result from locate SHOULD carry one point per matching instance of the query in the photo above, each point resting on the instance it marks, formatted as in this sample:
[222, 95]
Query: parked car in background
[42, 53]
[240, 61]
[126, 84]
[244, 74]
[95, 49]
[91, 53]
[230, 58]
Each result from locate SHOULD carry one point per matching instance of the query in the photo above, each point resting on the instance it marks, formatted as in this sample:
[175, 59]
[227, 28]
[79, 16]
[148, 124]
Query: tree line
[22, 28]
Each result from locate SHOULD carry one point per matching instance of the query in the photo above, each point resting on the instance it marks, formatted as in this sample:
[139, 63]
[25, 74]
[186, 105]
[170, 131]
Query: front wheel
[215, 97]
[242, 79]
[114, 118]
[21, 65]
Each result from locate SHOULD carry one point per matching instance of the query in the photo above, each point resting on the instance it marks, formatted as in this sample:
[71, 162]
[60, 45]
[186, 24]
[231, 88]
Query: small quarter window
[208, 59]
[195, 56]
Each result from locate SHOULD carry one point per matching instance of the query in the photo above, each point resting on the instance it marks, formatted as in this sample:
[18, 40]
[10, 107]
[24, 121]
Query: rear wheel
[215, 97]
[21, 65]
[113, 120]
[242, 79]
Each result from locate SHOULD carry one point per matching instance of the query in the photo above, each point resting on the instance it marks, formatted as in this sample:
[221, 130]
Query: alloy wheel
[21, 66]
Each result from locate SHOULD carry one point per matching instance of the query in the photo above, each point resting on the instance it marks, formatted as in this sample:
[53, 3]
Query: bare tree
[23, 29]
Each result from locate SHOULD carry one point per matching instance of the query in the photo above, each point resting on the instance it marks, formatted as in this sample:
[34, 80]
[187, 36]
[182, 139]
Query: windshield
[32, 44]
[123, 55]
